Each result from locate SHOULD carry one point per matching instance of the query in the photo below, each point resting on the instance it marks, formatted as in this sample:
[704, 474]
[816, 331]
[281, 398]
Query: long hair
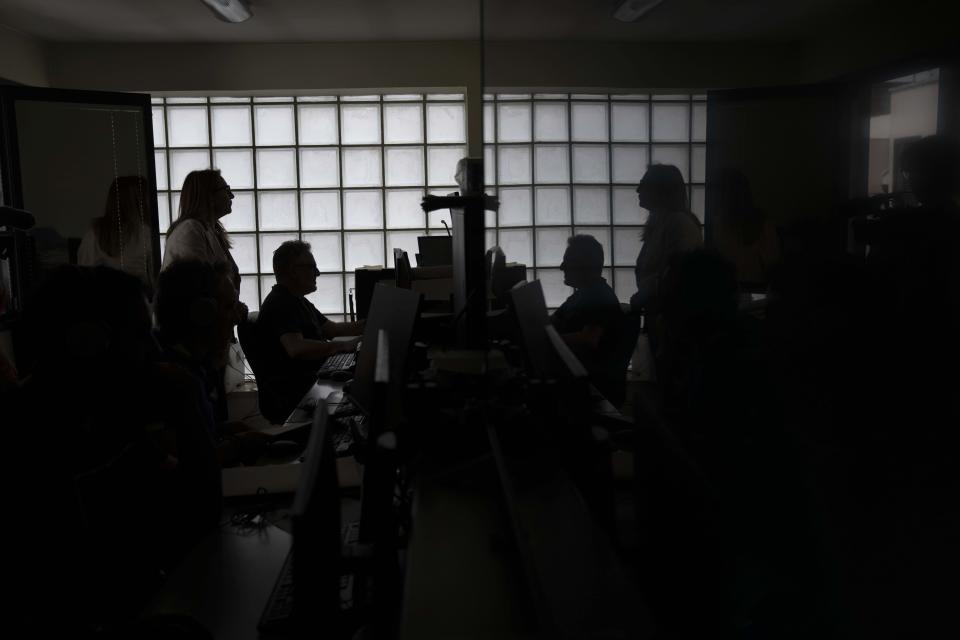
[196, 203]
[123, 214]
[667, 190]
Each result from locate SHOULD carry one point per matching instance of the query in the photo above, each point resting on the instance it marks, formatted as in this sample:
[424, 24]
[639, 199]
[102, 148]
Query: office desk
[225, 581]
[463, 578]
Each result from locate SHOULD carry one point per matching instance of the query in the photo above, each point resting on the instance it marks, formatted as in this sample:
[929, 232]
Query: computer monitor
[530, 310]
[316, 531]
[394, 310]
[402, 271]
[435, 251]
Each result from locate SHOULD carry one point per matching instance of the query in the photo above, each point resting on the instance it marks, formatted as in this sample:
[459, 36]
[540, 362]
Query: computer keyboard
[345, 407]
[278, 612]
[348, 430]
[337, 362]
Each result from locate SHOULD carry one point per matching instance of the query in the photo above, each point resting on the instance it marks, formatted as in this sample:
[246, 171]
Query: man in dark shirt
[295, 338]
[591, 320]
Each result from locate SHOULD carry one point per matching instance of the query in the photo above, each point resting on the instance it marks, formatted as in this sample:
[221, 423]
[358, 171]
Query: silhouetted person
[743, 234]
[591, 320]
[121, 237]
[196, 307]
[295, 338]
[111, 504]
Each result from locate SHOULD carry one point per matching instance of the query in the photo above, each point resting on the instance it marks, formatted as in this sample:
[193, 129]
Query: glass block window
[344, 173]
[570, 163]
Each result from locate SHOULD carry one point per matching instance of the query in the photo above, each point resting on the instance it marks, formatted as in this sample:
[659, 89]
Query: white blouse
[136, 259]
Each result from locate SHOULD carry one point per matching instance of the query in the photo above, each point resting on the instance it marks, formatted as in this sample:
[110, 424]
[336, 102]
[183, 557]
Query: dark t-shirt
[595, 305]
[283, 312]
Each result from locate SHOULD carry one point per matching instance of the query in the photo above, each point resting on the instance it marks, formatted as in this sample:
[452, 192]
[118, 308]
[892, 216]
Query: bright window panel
[159, 128]
[320, 209]
[163, 211]
[489, 165]
[552, 163]
[626, 210]
[589, 122]
[319, 168]
[629, 163]
[187, 127]
[244, 251]
[231, 126]
[514, 122]
[624, 284]
[626, 246]
[403, 124]
[489, 126]
[442, 165]
[554, 291]
[249, 293]
[676, 155]
[403, 209]
[160, 162]
[551, 245]
[590, 163]
[363, 209]
[699, 122]
[591, 205]
[445, 123]
[278, 211]
[404, 166]
[362, 167]
[435, 220]
[276, 168]
[630, 123]
[516, 207]
[236, 167]
[517, 245]
[328, 298]
[360, 124]
[183, 162]
[318, 124]
[325, 248]
[550, 122]
[266, 285]
[671, 122]
[242, 216]
[514, 165]
[553, 205]
[363, 248]
[699, 169]
[274, 125]
[406, 240]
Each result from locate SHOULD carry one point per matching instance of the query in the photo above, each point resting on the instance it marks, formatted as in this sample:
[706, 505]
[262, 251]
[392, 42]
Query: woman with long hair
[120, 238]
[198, 234]
[671, 229]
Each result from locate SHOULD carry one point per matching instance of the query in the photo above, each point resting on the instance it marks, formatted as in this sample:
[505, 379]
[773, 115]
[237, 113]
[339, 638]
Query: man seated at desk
[296, 338]
[591, 320]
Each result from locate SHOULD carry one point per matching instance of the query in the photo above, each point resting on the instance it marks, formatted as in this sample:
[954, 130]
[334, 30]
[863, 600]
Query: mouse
[282, 448]
[340, 376]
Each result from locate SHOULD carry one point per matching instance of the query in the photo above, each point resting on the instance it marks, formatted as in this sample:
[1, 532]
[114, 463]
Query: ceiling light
[633, 10]
[230, 10]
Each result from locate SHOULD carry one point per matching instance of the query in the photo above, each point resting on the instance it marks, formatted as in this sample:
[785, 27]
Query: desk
[225, 581]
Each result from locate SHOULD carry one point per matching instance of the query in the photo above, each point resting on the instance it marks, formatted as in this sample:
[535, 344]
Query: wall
[22, 58]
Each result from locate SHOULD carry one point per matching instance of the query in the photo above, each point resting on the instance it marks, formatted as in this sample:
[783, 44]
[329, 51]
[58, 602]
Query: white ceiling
[370, 20]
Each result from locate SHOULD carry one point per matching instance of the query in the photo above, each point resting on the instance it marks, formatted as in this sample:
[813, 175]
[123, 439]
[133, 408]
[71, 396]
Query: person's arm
[331, 329]
[300, 348]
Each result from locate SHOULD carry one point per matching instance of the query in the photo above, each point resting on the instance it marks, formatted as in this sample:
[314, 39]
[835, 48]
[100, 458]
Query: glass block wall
[570, 163]
[346, 173]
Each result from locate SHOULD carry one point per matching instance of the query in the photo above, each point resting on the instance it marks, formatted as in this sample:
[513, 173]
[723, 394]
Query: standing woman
[120, 238]
[198, 234]
[671, 230]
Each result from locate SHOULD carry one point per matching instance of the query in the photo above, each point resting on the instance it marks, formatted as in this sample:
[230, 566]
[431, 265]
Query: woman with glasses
[198, 234]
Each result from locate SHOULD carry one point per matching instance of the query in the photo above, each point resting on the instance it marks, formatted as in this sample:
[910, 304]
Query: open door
[62, 152]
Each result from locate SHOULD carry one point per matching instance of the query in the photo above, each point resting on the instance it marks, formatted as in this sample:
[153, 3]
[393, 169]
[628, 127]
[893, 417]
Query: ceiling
[406, 20]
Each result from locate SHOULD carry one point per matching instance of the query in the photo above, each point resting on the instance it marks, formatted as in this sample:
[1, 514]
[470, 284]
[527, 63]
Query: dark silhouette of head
[582, 261]
[295, 266]
[932, 168]
[662, 190]
[206, 197]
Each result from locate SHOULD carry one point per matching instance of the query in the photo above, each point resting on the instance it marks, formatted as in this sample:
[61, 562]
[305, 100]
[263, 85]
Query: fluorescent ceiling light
[633, 10]
[230, 10]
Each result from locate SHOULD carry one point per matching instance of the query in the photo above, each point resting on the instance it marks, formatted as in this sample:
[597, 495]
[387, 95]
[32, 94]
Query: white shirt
[193, 240]
[136, 258]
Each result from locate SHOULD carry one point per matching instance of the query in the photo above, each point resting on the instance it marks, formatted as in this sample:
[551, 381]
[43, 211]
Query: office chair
[248, 333]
